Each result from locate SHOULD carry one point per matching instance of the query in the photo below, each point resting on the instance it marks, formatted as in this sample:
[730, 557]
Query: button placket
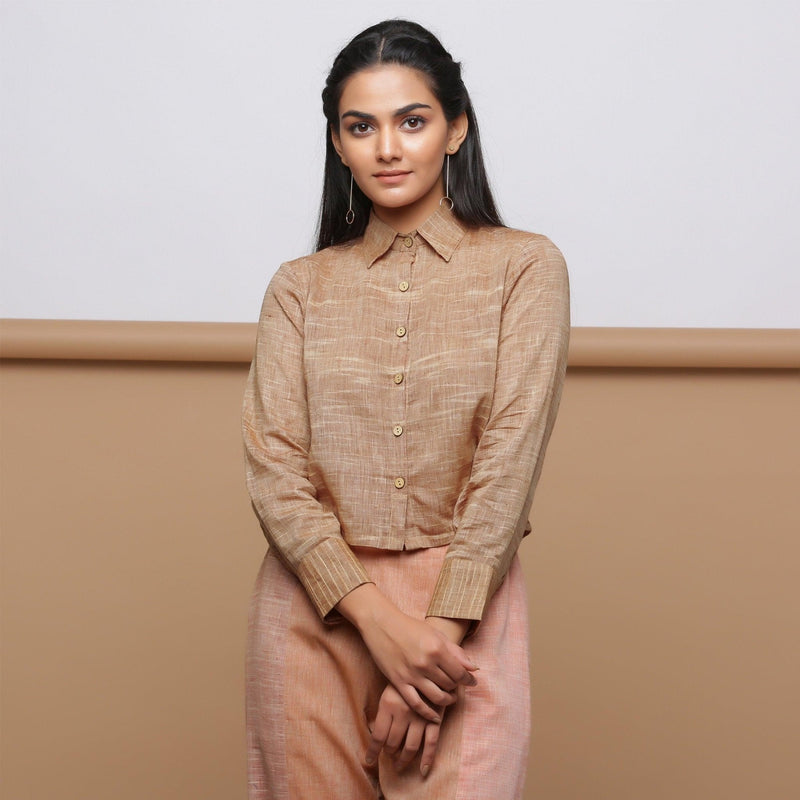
[396, 426]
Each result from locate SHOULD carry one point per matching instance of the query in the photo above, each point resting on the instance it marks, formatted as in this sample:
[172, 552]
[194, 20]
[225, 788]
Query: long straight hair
[408, 44]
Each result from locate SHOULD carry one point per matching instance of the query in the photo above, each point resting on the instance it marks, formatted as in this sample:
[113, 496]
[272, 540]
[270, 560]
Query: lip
[391, 176]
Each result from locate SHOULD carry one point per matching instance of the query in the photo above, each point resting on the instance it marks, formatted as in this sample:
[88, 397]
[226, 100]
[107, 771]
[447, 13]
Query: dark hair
[397, 41]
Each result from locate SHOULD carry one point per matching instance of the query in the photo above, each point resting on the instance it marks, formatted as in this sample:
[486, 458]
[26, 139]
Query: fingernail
[425, 769]
[370, 761]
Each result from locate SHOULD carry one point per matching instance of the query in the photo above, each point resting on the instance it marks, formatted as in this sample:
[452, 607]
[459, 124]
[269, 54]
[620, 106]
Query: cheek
[429, 153]
[354, 158]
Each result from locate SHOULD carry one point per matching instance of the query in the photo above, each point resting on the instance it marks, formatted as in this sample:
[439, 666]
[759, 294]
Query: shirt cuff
[329, 572]
[462, 590]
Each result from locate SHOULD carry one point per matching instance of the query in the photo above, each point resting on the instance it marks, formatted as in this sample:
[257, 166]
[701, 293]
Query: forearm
[366, 605]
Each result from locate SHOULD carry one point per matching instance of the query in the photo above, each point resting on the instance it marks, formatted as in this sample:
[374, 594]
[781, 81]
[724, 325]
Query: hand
[419, 660]
[401, 732]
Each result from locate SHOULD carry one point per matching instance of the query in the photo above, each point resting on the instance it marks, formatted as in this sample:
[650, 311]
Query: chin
[383, 203]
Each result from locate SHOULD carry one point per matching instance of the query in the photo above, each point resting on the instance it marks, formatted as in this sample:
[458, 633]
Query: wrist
[454, 629]
[363, 605]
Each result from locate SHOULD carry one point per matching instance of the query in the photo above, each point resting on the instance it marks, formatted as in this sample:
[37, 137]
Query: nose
[388, 145]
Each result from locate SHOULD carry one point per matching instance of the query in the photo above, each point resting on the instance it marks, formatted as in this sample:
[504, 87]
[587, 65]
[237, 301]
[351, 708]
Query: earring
[350, 215]
[447, 182]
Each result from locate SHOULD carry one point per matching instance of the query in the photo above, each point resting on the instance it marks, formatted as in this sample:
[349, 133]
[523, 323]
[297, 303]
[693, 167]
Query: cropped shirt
[402, 393]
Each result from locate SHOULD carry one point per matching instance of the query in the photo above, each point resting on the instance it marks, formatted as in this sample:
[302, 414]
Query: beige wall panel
[129, 551]
[663, 574]
[663, 582]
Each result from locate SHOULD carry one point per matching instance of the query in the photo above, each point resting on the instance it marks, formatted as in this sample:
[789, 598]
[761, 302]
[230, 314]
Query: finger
[434, 694]
[416, 731]
[429, 749]
[443, 680]
[467, 678]
[449, 681]
[374, 749]
[394, 741]
[459, 667]
[378, 735]
[416, 703]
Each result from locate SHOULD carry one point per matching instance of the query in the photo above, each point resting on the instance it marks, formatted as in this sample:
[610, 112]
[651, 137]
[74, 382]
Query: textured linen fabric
[401, 396]
[312, 690]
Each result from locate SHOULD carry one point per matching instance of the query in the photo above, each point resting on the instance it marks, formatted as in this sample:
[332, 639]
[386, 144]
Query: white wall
[161, 157]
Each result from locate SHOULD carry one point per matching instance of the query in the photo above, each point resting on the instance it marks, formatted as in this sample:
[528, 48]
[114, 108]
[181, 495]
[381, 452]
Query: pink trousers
[312, 690]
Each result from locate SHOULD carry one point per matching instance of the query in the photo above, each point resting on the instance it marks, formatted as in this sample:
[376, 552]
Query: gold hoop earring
[350, 215]
[447, 183]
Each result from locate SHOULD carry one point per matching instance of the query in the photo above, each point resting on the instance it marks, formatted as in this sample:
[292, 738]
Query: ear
[457, 132]
[337, 144]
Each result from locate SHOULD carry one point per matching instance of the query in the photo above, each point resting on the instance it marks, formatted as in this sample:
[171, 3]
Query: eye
[360, 128]
[413, 123]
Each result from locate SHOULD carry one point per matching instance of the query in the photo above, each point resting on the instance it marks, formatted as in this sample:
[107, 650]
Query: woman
[404, 386]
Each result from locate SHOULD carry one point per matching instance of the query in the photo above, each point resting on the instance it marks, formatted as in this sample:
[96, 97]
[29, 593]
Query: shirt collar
[442, 231]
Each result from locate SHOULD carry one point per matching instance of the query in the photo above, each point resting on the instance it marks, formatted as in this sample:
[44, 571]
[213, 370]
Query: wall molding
[232, 342]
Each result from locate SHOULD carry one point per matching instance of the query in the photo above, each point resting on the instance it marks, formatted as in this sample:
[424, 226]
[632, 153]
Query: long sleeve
[491, 514]
[277, 437]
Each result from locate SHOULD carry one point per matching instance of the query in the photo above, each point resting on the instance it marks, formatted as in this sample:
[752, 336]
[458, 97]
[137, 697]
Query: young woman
[404, 386]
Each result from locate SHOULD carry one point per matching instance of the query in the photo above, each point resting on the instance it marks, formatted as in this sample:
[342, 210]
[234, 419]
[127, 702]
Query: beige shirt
[402, 394]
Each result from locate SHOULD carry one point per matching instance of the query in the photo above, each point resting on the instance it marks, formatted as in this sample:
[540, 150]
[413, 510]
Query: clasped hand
[424, 666]
[401, 732]
[417, 659]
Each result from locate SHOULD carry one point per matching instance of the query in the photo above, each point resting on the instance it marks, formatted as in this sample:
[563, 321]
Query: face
[393, 136]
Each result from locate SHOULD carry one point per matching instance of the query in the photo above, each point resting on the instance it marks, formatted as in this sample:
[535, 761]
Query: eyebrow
[398, 113]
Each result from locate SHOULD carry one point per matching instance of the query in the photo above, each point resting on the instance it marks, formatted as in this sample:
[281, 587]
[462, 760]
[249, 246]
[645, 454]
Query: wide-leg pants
[312, 690]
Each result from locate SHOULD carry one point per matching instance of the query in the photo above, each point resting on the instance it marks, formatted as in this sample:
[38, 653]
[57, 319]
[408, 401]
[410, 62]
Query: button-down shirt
[402, 393]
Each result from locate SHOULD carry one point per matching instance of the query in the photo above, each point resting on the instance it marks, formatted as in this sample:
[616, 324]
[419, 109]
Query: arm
[492, 511]
[277, 439]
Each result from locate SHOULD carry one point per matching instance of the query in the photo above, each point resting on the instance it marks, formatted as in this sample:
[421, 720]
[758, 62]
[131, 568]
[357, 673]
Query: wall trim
[95, 340]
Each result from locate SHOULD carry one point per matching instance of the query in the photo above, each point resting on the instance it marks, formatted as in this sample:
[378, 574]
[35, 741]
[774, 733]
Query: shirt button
[398, 377]
[397, 430]
[403, 286]
[399, 483]
[401, 331]
[408, 241]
